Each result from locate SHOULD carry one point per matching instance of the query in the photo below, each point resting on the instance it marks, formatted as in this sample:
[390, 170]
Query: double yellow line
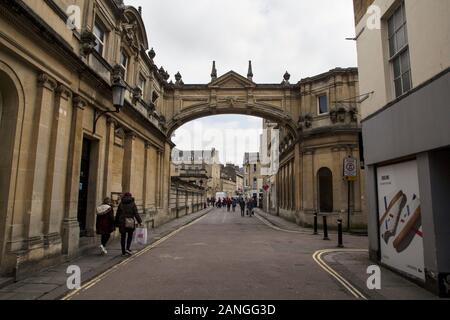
[107, 273]
[317, 256]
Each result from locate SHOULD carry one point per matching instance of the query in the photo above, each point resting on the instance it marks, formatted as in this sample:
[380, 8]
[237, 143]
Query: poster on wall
[400, 218]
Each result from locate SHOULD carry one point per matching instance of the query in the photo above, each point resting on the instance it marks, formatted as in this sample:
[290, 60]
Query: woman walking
[126, 217]
[105, 223]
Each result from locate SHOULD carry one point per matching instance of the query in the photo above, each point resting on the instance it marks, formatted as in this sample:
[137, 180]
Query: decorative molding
[87, 43]
[63, 91]
[111, 121]
[130, 135]
[79, 102]
[44, 80]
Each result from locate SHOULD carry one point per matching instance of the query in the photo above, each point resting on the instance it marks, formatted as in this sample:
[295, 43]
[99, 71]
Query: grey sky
[303, 37]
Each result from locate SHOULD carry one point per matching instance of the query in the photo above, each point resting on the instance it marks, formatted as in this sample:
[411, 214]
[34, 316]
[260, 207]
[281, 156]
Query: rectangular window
[323, 104]
[399, 52]
[124, 62]
[99, 32]
[254, 168]
[141, 85]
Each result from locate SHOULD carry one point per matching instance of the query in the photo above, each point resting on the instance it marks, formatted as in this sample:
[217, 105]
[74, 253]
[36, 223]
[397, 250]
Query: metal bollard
[340, 240]
[315, 224]
[325, 228]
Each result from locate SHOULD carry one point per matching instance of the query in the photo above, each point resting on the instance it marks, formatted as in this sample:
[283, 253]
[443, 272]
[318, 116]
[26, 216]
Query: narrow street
[223, 256]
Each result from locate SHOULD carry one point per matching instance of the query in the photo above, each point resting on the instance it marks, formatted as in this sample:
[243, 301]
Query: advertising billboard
[400, 218]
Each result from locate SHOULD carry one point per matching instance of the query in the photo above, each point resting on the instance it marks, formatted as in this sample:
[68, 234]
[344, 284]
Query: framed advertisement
[400, 219]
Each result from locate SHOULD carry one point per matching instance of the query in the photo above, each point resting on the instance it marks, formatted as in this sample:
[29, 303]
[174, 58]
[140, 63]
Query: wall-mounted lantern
[118, 89]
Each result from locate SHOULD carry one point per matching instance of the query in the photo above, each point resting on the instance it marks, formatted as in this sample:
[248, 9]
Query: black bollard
[315, 224]
[325, 228]
[340, 240]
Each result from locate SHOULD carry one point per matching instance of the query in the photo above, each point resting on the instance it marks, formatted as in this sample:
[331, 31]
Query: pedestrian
[234, 204]
[242, 205]
[126, 217]
[250, 207]
[105, 223]
[228, 204]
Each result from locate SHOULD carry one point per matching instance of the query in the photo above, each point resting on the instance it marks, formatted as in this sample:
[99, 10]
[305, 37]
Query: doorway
[325, 179]
[83, 194]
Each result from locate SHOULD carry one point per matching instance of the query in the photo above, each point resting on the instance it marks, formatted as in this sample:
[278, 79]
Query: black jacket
[127, 209]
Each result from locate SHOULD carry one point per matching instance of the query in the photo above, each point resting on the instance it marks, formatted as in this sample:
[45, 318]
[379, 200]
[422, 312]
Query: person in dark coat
[250, 206]
[127, 214]
[242, 205]
[105, 223]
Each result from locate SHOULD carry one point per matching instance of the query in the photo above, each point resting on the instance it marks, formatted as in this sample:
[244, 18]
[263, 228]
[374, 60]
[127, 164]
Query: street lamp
[118, 97]
[118, 91]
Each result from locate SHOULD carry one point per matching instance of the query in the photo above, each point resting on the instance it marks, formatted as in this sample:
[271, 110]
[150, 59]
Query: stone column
[57, 169]
[109, 157]
[338, 193]
[166, 177]
[147, 174]
[128, 162]
[71, 228]
[39, 158]
[297, 178]
[158, 178]
[309, 182]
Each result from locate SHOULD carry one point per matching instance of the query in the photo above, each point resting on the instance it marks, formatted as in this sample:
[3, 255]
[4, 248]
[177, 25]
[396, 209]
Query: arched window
[325, 186]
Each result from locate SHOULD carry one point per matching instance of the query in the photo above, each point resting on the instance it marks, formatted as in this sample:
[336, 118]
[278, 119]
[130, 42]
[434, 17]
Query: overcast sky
[303, 37]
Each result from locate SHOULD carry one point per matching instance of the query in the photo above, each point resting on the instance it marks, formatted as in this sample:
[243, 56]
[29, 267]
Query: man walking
[242, 205]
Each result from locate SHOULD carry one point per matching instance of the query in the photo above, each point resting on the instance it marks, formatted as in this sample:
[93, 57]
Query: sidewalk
[50, 284]
[353, 266]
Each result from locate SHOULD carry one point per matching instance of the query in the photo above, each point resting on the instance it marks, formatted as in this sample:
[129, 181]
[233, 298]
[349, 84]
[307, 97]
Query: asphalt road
[222, 256]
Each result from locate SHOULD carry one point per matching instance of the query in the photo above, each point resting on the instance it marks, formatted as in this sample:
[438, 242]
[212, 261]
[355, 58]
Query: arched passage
[325, 185]
[206, 110]
[10, 102]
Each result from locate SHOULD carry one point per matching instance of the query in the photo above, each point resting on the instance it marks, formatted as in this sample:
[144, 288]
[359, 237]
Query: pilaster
[71, 228]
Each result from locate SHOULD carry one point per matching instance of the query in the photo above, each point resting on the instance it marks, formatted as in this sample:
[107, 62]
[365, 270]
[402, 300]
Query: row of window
[100, 35]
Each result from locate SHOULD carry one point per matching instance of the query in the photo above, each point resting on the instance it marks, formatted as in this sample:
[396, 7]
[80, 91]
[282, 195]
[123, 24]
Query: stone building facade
[190, 163]
[61, 153]
[330, 131]
[68, 139]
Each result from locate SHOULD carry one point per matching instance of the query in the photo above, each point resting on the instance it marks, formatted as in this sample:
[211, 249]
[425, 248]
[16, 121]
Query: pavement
[219, 255]
[51, 283]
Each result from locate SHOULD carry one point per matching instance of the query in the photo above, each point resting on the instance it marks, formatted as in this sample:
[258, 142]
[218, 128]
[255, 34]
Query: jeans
[105, 239]
[128, 238]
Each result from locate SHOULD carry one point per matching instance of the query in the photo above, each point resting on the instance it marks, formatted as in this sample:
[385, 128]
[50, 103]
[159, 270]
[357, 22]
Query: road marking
[317, 256]
[105, 274]
[270, 225]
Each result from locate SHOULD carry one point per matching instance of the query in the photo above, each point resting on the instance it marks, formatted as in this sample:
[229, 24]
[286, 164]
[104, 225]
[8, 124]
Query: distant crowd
[246, 205]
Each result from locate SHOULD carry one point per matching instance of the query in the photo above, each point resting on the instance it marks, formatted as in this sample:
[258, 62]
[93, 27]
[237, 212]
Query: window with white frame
[124, 62]
[322, 104]
[100, 35]
[141, 84]
[399, 51]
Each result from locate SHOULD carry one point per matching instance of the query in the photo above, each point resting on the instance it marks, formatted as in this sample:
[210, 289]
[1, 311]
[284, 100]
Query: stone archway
[233, 94]
[257, 110]
[11, 109]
